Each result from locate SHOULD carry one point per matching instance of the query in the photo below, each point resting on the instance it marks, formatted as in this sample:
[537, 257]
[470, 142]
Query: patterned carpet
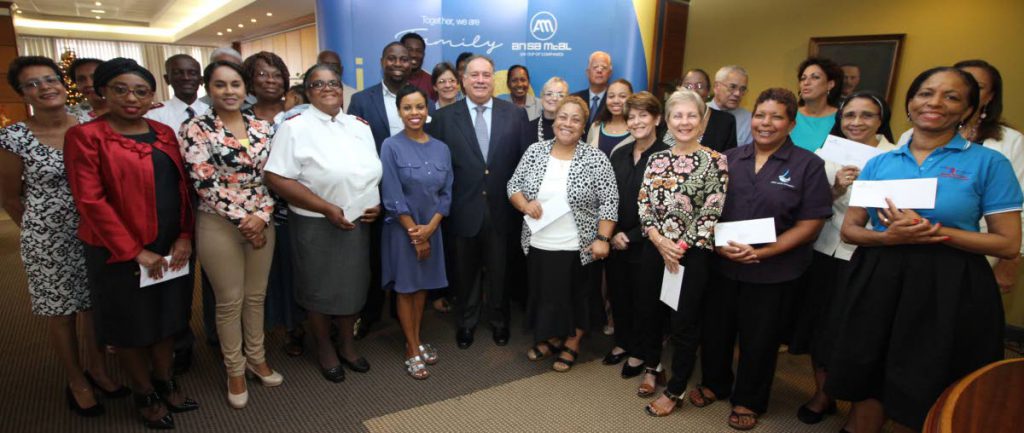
[484, 388]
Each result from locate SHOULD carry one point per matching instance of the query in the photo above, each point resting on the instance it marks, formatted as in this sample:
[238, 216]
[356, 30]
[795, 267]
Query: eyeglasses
[693, 86]
[265, 75]
[321, 84]
[732, 88]
[865, 115]
[49, 80]
[139, 92]
[554, 95]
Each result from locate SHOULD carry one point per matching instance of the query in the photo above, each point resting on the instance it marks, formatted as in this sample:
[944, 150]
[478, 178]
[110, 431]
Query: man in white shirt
[185, 77]
[599, 71]
[730, 86]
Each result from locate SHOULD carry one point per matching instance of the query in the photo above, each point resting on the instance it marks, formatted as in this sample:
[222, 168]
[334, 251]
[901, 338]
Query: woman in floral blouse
[567, 174]
[224, 153]
[681, 199]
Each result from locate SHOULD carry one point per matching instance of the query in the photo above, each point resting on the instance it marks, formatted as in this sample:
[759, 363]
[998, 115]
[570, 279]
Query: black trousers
[651, 315]
[479, 277]
[623, 271]
[684, 336]
[751, 313]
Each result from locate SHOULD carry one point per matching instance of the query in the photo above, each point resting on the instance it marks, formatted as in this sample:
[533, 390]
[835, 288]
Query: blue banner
[549, 37]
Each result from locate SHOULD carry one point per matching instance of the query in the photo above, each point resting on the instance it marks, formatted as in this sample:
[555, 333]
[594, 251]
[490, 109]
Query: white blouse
[561, 234]
[829, 242]
[335, 157]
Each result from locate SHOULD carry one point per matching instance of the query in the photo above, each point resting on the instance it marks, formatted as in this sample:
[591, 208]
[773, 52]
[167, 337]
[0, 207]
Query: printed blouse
[682, 196]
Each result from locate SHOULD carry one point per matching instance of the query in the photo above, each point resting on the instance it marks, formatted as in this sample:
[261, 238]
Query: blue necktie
[593, 108]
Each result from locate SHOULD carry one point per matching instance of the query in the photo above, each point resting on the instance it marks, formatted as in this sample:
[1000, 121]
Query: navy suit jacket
[482, 185]
[369, 105]
[585, 96]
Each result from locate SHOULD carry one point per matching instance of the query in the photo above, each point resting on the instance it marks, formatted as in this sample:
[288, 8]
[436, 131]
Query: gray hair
[685, 95]
[226, 50]
[552, 81]
[599, 54]
[724, 72]
[478, 56]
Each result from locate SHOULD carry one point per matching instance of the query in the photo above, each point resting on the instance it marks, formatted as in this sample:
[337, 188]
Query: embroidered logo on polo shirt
[953, 173]
[784, 180]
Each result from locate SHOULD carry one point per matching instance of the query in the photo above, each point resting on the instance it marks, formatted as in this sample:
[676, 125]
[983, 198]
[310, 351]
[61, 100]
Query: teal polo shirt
[973, 181]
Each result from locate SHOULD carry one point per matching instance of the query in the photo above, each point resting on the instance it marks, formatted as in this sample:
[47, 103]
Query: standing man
[851, 78]
[599, 70]
[730, 86]
[185, 77]
[486, 137]
[377, 106]
[328, 57]
[417, 76]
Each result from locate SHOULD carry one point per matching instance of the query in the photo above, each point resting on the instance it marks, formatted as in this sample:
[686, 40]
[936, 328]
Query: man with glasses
[719, 128]
[599, 71]
[184, 76]
[730, 87]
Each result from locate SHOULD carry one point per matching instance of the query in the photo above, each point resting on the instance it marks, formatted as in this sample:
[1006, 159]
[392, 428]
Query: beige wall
[769, 38]
[298, 48]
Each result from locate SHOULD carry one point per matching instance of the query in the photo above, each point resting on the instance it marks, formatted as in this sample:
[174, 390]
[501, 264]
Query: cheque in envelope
[750, 232]
[904, 193]
[847, 152]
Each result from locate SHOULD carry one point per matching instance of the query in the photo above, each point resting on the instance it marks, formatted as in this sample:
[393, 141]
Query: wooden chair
[989, 400]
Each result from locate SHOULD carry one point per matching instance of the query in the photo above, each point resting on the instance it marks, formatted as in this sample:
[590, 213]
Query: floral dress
[50, 249]
[682, 196]
[227, 175]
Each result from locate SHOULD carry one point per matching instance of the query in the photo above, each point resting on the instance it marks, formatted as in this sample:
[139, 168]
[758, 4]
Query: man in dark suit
[377, 106]
[599, 71]
[486, 137]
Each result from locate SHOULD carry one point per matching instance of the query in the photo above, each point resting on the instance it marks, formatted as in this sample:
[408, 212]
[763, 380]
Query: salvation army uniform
[915, 318]
[336, 158]
[748, 300]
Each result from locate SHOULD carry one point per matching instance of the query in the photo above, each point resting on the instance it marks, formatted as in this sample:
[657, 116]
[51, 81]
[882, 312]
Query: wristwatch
[601, 237]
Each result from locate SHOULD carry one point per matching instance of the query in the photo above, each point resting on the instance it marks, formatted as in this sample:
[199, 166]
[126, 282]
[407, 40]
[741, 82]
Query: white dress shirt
[394, 120]
[487, 113]
[335, 157]
[174, 112]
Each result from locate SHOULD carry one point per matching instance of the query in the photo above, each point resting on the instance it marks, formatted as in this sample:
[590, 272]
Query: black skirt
[125, 314]
[563, 294]
[911, 320]
[813, 307]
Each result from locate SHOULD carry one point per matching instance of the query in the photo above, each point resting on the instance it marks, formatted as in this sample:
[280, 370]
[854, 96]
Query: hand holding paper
[847, 152]
[750, 232]
[552, 210]
[905, 193]
[169, 274]
[671, 286]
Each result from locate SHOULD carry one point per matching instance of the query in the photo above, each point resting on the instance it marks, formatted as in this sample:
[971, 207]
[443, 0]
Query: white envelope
[357, 205]
[169, 274]
[550, 211]
[750, 232]
[671, 286]
[847, 152]
[904, 193]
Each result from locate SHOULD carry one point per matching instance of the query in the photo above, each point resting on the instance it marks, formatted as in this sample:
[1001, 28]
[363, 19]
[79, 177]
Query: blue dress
[417, 182]
[810, 132]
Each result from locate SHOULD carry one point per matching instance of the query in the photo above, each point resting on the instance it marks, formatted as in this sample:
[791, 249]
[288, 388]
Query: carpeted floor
[484, 388]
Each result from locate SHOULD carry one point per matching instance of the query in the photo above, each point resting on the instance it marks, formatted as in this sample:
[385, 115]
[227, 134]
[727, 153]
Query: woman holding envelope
[131, 191]
[566, 174]
[863, 118]
[921, 308]
[324, 163]
[680, 199]
[751, 283]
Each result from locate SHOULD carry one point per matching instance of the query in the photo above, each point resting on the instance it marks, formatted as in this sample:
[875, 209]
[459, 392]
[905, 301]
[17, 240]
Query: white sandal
[416, 368]
[428, 353]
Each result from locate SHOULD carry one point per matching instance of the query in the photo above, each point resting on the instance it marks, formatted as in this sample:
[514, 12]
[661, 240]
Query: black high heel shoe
[629, 371]
[120, 392]
[87, 412]
[143, 401]
[808, 416]
[164, 388]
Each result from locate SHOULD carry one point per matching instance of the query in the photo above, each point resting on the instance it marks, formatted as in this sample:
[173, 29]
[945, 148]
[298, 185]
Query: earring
[908, 116]
[984, 112]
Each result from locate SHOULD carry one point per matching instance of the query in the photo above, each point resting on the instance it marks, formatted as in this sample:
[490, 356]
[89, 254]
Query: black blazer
[368, 104]
[585, 96]
[480, 184]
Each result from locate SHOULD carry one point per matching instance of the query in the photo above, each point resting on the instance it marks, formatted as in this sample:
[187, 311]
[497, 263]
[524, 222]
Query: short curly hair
[21, 62]
[249, 66]
[782, 96]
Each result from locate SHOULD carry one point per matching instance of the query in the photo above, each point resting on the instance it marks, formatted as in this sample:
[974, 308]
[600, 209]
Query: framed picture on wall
[873, 57]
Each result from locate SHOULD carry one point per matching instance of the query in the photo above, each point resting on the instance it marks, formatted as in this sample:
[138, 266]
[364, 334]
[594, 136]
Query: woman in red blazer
[130, 188]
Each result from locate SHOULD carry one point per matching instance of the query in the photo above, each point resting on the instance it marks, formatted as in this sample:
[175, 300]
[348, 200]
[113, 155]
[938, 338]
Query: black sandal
[568, 363]
[145, 401]
[536, 354]
[164, 388]
[704, 397]
[677, 402]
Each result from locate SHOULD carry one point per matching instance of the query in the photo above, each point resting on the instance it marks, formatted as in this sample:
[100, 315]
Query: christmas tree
[74, 96]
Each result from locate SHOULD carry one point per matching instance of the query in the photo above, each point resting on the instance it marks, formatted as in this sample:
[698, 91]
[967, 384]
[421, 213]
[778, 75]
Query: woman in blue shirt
[820, 89]
[921, 308]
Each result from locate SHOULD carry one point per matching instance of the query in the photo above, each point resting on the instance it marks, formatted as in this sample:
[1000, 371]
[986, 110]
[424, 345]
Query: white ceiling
[193, 22]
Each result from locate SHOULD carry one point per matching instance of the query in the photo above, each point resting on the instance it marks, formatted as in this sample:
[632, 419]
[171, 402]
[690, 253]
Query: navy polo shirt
[790, 187]
[973, 181]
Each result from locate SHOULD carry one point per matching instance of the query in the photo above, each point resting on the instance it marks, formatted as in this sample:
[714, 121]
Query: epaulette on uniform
[156, 105]
[293, 116]
[362, 120]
